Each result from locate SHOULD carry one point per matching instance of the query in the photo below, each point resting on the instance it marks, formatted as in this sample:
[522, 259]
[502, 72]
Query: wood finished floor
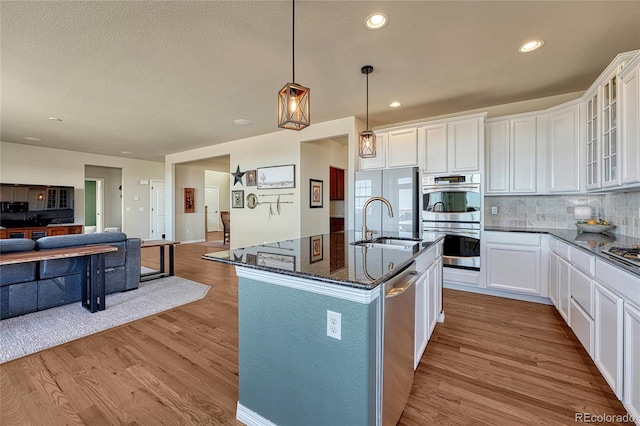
[493, 361]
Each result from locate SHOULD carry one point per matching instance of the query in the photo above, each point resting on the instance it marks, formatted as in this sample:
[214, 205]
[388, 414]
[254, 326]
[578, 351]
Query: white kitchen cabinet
[559, 269]
[402, 147]
[455, 145]
[497, 157]
[435, 148]
[630, 121]
[464, 140]
[553, 278]
[435, 295]
[380, 160]
[565, 154]
[608, 350]
[593, 155]
[511, 152]
[581, 307]
[631, 394]
[564, 297]
[582, 325]
[428, 304]
[606, 157]
[581, 289]
[422, 319]
[514, 262]
[609, 132]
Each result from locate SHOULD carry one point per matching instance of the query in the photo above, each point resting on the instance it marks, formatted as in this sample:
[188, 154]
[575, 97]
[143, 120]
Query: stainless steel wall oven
[452, 205]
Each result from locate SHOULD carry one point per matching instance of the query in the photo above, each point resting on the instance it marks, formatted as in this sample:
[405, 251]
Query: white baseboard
[193, 241]
[251, 418]
[498, 293]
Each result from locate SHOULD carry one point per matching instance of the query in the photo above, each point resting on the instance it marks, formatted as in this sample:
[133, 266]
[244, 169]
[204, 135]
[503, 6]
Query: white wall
[315, 159]
[256, 226]
[38, 165]
[191, 224]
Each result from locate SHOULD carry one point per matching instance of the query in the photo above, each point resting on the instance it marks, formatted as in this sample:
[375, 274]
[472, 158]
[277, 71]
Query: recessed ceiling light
[126, 152]
[376, 21]
[395, 104]
[243, 122]
[31, 138]
[531, 46]
[55, 119]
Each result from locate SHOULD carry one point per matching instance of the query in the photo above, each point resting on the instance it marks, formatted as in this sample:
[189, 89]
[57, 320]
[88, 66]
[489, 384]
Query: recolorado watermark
[603, 418]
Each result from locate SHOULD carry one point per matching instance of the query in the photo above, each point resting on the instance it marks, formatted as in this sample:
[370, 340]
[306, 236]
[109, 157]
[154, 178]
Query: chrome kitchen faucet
[366, 233]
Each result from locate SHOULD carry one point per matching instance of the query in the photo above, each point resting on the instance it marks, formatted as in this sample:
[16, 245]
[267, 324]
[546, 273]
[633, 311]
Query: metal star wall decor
[237, 176]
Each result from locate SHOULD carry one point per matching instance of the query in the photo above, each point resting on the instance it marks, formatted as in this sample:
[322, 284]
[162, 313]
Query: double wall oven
[452, 205]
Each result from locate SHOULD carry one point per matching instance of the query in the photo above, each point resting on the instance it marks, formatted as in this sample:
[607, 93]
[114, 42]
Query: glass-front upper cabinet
[610, 174]
[603, 154]
[593, 180]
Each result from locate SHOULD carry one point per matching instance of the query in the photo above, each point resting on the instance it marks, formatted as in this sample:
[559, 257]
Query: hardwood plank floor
[493, 361]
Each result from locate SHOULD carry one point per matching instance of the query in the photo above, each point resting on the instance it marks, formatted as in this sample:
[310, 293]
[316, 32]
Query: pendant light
[293, 99]
[367, 138]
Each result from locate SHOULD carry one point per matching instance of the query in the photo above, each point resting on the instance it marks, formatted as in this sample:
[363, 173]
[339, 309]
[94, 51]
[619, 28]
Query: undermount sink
[389, 243]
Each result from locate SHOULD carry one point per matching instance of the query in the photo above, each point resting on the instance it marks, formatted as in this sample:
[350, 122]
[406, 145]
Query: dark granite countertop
[591, 243]
[340, 262]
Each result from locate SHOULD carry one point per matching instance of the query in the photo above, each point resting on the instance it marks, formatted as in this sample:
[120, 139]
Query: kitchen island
[296, 365]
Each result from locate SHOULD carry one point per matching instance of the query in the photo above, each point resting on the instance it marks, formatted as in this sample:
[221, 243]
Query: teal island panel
[291, 372]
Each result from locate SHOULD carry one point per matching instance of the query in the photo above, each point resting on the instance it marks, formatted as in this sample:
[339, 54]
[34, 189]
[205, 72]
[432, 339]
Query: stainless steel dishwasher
[398, 335]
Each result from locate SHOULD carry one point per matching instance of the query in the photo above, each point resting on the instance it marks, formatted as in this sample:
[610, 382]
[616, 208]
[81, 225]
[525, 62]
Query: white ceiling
[155, 77]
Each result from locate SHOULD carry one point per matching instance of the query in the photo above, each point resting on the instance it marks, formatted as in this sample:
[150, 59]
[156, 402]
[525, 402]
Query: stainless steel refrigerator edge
[402, 188]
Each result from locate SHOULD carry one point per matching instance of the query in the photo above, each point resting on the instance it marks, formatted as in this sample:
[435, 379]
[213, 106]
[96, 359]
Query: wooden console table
[161, 273]
[93, 285]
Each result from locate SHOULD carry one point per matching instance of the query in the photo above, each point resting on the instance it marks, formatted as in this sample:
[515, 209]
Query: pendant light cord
[293, 41]
[367, 101]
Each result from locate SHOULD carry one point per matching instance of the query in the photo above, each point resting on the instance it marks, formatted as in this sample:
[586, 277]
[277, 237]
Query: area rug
[30, 333]
[216, 244]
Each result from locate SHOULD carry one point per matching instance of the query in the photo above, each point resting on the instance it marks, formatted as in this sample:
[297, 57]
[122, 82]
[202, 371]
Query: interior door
[212, 201]
[158, 209]
[94, 203]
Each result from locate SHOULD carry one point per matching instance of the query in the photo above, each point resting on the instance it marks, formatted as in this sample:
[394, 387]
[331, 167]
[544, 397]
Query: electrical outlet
[334, 325]
[494, 210]
[188, 230]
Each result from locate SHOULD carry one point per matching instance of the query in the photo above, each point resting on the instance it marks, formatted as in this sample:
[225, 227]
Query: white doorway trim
[99, 202]
[157, 198]
[212, 201]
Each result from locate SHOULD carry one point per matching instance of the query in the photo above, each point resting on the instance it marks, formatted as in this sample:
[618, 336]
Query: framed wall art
[315, 193]
[237, 199]
[251, 178]
[315, 249]
[276, 177]
[189, 200]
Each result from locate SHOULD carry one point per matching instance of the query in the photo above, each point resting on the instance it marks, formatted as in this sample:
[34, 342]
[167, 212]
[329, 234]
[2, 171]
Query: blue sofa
[34, 286]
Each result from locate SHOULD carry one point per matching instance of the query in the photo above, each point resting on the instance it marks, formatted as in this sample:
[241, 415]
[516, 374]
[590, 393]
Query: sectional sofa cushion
[19, 272]
[16, 244]
[61, 267]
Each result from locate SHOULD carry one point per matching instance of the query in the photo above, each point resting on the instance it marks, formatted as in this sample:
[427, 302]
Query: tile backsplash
[556, 211]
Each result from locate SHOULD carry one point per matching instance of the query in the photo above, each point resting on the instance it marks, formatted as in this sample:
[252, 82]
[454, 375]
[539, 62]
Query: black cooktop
[628, 254]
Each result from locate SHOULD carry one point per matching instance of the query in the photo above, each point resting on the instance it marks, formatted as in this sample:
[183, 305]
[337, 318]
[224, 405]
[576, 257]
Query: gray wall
[291, 372]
